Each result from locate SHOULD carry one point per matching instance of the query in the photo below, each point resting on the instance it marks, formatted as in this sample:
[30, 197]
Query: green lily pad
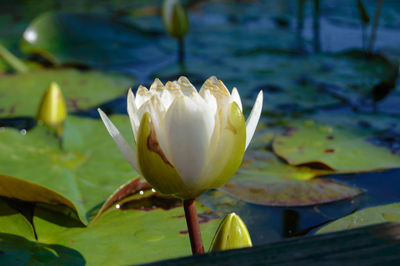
[88, 39]
[128, 233]
[21, 93]
[85, 173]
[265, 180]
[129, 236]
[18, 244]
[369, 216]
[13, 222]
[343, 149]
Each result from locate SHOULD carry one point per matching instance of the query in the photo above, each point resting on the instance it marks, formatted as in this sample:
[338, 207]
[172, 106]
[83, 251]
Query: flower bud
[175, 18]
[52, 110]
[231, 234]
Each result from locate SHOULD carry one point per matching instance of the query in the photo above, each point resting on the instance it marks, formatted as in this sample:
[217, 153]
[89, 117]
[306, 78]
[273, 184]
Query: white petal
[252, 120]
[186, 87]
[122, 144]
[236, 98]
[157, 114]
[166, 98]
[187, 129]
[133, 112]
[210, 101]
[157, 86]
[142, 96]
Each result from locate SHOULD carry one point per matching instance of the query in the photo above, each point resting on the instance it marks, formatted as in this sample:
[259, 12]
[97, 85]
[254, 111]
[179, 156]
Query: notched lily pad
[21, 93]
[340, 148]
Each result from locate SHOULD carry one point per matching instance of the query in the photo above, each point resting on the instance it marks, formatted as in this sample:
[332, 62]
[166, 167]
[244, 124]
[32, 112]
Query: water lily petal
[142, 96]
[252, 120]
[228, 154]
[186, 87]
[133, 114]
[154, 165]
[216, 87]
[236, 97]
[157, 86]
[188, 129]
[122, 144]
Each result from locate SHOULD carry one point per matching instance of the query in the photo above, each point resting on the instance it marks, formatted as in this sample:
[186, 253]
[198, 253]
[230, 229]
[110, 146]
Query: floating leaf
[369, 216]
[88, 39]
[268, 181]
[340, 148]
[21, 93]
[85, 173]
[124, 235]
[290, 193]
[13, 222]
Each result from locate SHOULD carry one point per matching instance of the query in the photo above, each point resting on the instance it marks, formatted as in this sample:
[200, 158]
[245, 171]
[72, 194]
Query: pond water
[315, 68]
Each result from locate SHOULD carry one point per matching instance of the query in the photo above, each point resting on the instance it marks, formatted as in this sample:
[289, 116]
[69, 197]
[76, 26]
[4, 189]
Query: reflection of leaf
[265, 180]
[21, 93]
[340, 148]
[86, 173]
[87, 39]
[374, 215]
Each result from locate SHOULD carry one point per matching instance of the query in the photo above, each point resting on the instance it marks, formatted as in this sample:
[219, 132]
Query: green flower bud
[232, 233]
[175, 18]
[52, 110]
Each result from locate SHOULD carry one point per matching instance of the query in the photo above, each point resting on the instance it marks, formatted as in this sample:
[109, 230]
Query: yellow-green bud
[52, 110]
[175, 18]
[232, 233]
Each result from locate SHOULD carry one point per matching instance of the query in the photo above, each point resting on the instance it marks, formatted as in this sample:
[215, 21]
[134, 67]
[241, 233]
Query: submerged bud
[231, 234]
[175, 18]
[52, 110]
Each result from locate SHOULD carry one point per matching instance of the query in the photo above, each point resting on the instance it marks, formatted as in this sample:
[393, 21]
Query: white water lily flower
[186, 141]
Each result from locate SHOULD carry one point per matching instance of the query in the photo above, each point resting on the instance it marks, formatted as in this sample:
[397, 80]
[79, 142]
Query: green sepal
[232, 145]
[155, 167]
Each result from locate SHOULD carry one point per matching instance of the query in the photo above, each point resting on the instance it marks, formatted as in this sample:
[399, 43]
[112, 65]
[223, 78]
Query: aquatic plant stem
[181, 51]
[316, 25]
[193, 227]
[375, 26]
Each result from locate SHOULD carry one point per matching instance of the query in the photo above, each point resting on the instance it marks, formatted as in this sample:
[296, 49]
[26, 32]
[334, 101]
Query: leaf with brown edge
[266, 180]
[131, 187]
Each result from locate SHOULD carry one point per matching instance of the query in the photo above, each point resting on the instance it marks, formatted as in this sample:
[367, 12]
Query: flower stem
[181, 51]
[193, 227]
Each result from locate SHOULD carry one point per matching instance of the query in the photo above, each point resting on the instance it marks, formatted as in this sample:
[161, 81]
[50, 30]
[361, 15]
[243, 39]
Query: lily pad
[125, 234]
[86, 172]
[369, 216]
[343, 149]
[265, 180]
[88, 39]
[21, 93]
[13, 222]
